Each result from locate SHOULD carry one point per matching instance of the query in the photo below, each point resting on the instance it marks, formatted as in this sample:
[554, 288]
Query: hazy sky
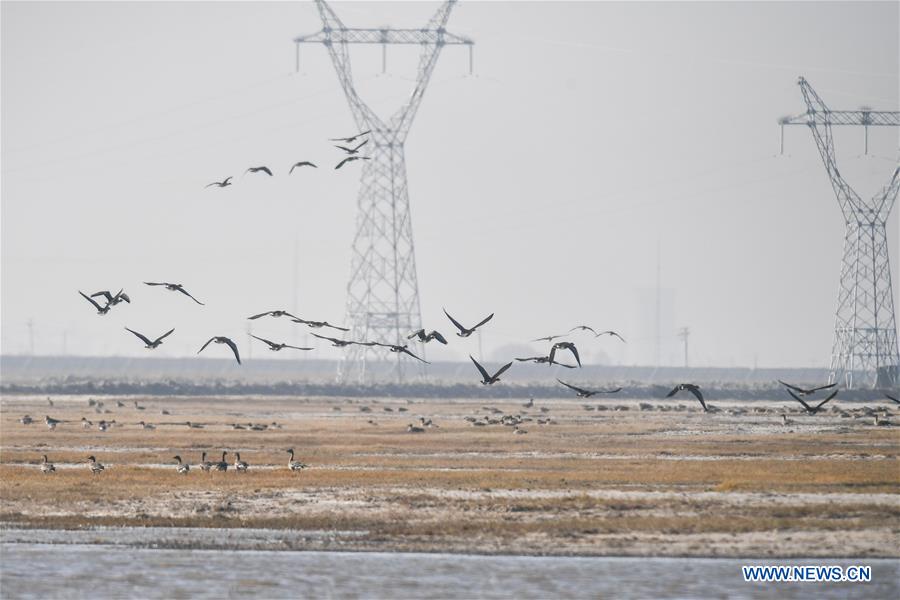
[592, 137]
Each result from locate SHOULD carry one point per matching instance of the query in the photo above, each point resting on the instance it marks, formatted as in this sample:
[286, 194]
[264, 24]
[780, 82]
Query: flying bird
[466, 332]
[583, 328]
[487, 379]
[350, 159]
[803, 391]
[318, 324]
[564, 346]
[111, 300]
[224, 183]
[694, 389]
[273, 313]
[222, 340]
[352, 151]
[549, 338]
[583, 393]
[341, 343]
[402, 350]
[302, 163]
[175, 287]
[350, 140]
[610, 333]
[544, 359]
[258, 170]
[425, 338]
[813, 409]
[150, 345]
[276, 347]
[101, 310]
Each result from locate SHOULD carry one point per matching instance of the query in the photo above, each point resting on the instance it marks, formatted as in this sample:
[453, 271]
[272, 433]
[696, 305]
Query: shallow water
[122, 570]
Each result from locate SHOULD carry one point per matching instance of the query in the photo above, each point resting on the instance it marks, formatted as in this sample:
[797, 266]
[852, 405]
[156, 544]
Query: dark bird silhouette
[803, 391]
[610, 333]
[350, 159]
[150, 345]
[694, 389]
[352, 151]
[318, 324]
[889, 397]
[583, 328]
[583, 393]
[276, 347]
[302, 163]
[273, 313]
[487, 379]
[111, 300]
[464, 331]
[549, 338]
[402, 350]
[425, 338]
[544, 359]
[175, 287]
[813, 409]
[224, 183]
[565, 346]
[341, 343]
[265, 170]
[350, 140]
[101, 310]
[222, 340]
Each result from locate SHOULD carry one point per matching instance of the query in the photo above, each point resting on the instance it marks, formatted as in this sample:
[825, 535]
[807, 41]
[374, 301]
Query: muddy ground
[655, 478]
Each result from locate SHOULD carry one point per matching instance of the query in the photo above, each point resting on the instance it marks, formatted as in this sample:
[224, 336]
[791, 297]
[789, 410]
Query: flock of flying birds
[350, 154]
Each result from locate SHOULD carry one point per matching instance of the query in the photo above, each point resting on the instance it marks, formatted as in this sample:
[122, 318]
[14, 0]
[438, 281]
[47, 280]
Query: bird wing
[528, 359]
[165, 335]
[565, 365]
[549, 338]
[575, 352]
[234, 349]
[696, 392]
[297, 347]
[420, 333]
[455, 322]
[272, 344]
[154, 283]
[502, 370]
[325, 337]
[205, 345]
[552, 354]
[437, 335]
[889, 397]
[824, 387]
[226, 180]
[143, 339]
[266, 170]
[345, 149]
[341, 164]
[572, 387]
[583, 328]
[610, 333]
[91, 300]
[798, 399]
[327, 324]
[612, 391]
[185, 292]
[792, 387]
[827, 400]
[259, 315]
[674, 391]
[483, 321]
[109, 297]
[123, 296]
[212, 184]
[484, 374]
[361, 145]
[406, 351]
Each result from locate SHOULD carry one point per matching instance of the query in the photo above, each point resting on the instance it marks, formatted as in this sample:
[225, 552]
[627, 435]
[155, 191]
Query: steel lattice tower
[383, 291]
[865, 331]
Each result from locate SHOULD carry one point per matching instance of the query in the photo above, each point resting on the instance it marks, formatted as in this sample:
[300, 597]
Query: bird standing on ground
[302, 163]
[182, 468]
[485, 377]
[813, 409]
[150, 345]
[47, 466]
[222, 465]
[564, 346]
[425, 338]
[467, 331]
[175, 287]
[239, 465]
[295, 465]
[51, 422]
[276, 347]
[583, 393]
[219, 339]
[101, 310]
[205, 465]
[694, 389]
[95, 467]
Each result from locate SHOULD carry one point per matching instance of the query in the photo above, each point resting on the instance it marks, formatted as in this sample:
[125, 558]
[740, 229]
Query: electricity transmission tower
[383, 292]
[864, 352]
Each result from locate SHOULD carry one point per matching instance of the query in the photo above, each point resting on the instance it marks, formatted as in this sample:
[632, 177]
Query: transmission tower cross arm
[864, 118]
[383, 36]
